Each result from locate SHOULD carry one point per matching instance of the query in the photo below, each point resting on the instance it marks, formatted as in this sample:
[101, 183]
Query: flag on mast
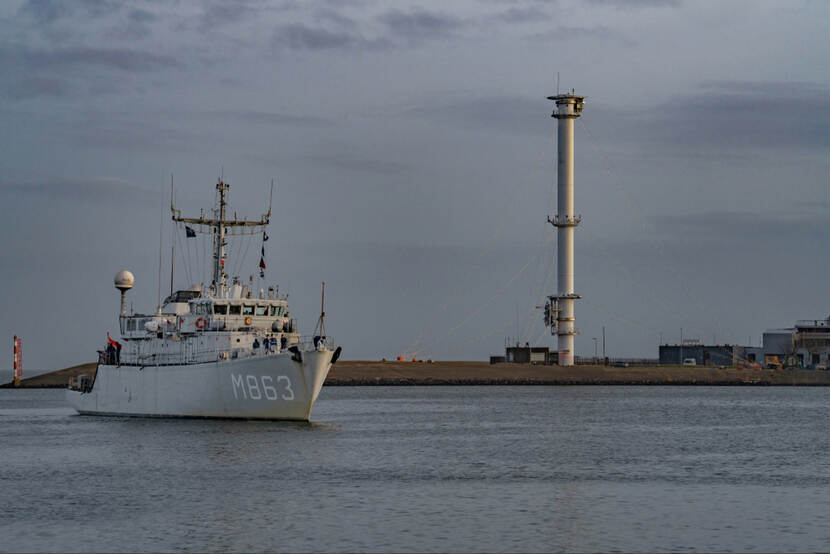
[262, 256]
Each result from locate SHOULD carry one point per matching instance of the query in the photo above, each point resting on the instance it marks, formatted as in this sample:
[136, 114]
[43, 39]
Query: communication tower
[559, 309]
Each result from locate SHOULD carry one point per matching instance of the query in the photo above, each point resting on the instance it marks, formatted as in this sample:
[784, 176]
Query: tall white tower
[560, 307]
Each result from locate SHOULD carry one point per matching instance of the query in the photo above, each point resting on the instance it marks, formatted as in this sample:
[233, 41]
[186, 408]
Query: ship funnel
[124, 281]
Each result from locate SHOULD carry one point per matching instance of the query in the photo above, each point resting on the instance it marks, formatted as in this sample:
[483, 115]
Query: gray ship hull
[259, 387]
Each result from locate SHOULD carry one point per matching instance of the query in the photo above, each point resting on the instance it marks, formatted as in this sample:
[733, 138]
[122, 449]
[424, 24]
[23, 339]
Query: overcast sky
[413, 151]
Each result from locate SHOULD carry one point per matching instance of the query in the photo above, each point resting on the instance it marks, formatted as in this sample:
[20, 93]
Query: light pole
[595, 348]
[603, 344]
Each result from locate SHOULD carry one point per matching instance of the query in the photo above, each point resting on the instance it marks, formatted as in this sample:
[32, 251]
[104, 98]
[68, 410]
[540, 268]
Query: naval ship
[216, 351]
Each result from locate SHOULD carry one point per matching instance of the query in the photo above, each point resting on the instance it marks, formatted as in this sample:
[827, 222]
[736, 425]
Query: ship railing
[310, 343]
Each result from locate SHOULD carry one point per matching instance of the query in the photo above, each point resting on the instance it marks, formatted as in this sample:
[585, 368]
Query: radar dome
[124, 280]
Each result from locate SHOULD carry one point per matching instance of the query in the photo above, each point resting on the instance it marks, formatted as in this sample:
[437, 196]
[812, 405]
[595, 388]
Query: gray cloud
[220, 14]
[335, 17]
[111, 58]
[745, 114]
[139, 16]
[419, 24]
[637, 4]
[564, 33]
[51, 11]
[33, 86]
[268, 118]
[522, 14]
[101, 189]
[299, 36]
[359, 164]
[45, 11]
[510, 114]
[728, 225]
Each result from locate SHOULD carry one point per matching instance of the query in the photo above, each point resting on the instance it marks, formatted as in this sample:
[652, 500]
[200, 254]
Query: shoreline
[375, 373]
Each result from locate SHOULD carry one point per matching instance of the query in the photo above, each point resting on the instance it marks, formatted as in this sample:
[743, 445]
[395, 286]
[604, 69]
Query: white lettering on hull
[237, 381]
[248, 386]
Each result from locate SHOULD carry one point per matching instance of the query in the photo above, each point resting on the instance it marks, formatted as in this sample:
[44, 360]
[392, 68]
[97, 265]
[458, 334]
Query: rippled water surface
[429, 469]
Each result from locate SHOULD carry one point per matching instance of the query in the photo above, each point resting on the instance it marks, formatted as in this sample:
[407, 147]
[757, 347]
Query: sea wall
[366, 373]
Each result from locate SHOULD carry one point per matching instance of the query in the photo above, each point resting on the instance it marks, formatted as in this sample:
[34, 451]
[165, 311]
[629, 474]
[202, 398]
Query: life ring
[248, 320]
[201, 323]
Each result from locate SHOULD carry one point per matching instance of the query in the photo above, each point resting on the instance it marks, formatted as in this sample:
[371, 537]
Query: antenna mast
[220, 225]
[321, 323]
[172, 242]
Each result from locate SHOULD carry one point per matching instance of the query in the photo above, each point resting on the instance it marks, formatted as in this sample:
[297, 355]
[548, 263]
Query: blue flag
[189, 232]
[264, 236]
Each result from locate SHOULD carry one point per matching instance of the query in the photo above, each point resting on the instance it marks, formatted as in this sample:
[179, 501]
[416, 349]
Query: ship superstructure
[214, 350]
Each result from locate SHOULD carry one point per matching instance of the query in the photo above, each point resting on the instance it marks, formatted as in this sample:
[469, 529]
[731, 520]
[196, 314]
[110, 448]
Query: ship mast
[219, 226]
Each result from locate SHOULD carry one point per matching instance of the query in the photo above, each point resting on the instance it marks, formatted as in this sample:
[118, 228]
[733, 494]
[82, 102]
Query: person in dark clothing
[118, 353]
[283, 342]
[256, 344]
[110, 354]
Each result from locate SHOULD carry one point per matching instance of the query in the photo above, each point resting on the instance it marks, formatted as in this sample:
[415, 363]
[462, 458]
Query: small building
[702, 354]
[537, 355]
[526, 354]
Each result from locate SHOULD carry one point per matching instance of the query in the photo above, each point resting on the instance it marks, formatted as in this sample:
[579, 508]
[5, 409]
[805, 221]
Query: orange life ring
[248, 320]
[201, 322]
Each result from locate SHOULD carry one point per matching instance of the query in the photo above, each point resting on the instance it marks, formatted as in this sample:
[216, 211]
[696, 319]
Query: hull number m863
[262, 387]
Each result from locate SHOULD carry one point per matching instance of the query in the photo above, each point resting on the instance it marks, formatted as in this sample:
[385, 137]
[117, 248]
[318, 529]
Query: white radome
[124, 280]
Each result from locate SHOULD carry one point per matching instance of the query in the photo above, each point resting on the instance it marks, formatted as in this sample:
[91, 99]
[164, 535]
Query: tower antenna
[559, 311]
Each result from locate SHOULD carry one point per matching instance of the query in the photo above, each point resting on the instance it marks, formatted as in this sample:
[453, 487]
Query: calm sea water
[429, 469]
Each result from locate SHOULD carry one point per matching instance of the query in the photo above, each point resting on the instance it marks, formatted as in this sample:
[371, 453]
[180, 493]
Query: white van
[689, 361]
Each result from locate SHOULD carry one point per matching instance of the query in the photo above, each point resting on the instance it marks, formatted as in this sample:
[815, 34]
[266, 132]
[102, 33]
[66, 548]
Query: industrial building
[702, 354]
[805, 345]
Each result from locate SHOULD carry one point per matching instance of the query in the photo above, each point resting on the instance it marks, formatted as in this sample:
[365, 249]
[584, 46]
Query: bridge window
[262, 310]
[234, 310]
[221, 309]
[274, 310]
[247, 310]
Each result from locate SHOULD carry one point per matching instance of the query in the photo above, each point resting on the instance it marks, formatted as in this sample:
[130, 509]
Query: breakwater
[372, 373]
[354, 373]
